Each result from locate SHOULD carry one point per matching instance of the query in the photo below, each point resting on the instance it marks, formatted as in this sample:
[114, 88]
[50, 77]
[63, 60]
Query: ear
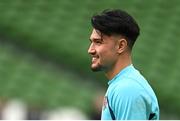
[121, 45]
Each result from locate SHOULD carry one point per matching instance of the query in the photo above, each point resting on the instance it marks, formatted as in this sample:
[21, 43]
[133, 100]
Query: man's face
[103, 50]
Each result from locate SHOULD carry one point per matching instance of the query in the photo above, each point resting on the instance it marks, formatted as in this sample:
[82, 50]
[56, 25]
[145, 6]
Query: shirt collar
[122, 72]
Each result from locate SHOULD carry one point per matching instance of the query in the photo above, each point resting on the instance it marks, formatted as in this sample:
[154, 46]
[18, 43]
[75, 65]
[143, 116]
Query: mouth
[94, 59]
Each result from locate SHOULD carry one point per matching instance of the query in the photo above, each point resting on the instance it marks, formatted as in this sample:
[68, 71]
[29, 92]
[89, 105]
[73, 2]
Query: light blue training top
[130, 97]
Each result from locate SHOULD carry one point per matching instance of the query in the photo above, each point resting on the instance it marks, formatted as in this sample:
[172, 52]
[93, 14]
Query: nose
[91, 49]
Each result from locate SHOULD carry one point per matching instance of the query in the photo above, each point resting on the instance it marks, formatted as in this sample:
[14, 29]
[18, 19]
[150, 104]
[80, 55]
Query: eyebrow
[95, 39]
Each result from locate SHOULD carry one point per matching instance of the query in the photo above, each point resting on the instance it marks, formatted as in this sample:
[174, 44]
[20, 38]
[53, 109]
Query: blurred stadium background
[44, 61]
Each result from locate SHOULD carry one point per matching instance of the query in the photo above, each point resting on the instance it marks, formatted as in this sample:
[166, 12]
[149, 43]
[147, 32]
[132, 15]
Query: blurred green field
[43, 48]
[39, 82]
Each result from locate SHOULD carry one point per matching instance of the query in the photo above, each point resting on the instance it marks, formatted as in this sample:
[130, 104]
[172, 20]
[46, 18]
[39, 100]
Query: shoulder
[127, 86]
[128, 89]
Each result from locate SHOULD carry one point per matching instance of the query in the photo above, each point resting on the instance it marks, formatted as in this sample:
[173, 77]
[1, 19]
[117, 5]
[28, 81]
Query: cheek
[110, 50]
[107, 52]
[108, 56]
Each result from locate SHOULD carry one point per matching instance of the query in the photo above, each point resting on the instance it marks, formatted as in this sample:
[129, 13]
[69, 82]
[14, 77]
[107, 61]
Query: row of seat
[60, 30]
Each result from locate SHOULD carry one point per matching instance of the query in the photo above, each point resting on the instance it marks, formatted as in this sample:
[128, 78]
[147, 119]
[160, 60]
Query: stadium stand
[43, 50]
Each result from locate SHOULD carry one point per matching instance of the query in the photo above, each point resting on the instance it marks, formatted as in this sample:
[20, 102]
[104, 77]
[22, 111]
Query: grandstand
[43, 50]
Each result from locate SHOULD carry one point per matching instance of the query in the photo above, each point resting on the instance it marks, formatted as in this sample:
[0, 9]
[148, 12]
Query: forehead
[95, 34]
[98, 35]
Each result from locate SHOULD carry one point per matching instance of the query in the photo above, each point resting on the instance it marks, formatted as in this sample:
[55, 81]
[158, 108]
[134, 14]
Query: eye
[98, 41]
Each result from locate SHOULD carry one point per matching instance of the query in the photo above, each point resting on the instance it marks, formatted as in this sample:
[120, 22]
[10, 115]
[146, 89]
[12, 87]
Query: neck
[118, 66]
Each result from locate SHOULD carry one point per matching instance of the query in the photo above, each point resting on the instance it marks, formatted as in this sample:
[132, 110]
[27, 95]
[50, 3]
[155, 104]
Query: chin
[96, 68]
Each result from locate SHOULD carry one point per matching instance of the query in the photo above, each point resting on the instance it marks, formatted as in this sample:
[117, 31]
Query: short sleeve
[129, 104]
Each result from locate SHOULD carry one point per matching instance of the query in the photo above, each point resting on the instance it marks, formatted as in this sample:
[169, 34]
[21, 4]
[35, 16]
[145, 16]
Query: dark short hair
[119, 22]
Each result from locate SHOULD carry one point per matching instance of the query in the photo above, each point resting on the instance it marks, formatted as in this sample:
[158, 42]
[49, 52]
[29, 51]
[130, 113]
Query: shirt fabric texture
[130, 97]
